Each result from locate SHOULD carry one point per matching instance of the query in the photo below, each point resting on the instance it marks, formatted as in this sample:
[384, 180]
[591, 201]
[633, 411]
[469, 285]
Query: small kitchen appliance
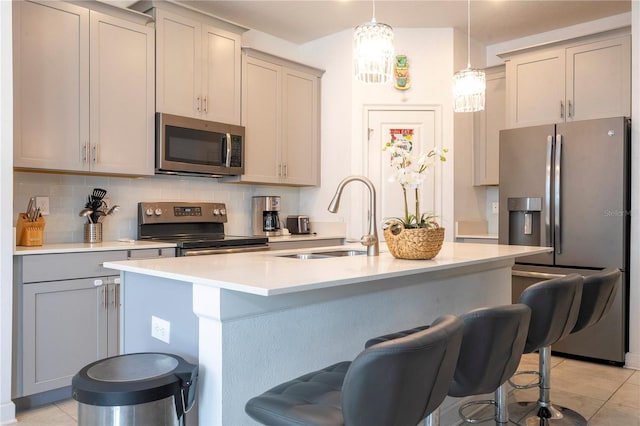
[265, 214]
[189, 146]
[196, 228]
[298, 224]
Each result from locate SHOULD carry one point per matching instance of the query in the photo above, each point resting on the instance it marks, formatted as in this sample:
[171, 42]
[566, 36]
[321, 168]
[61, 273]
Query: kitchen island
[253, 320]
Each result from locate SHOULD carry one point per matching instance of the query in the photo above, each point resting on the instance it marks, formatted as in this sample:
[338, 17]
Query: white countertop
[83, 247]
[266, 273]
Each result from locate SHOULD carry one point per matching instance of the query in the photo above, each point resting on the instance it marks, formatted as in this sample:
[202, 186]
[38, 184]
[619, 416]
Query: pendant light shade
[469, 85]
[373, 52]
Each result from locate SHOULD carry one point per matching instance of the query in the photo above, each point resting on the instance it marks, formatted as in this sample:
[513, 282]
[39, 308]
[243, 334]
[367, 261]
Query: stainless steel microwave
[188, 146]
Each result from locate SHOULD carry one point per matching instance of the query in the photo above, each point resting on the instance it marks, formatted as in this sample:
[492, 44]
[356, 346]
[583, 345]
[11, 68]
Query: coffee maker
[266, 215]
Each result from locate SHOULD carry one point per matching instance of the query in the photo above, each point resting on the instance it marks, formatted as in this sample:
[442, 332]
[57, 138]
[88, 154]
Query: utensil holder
[29, 233]
[93, 232]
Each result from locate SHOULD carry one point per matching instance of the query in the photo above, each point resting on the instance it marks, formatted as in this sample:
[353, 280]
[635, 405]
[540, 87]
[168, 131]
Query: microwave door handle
[228, 144]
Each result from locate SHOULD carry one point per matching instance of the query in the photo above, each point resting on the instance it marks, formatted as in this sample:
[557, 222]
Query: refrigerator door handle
[557, 196]
[547, 193]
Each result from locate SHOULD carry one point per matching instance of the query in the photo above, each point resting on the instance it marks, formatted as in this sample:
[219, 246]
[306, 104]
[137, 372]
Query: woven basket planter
[414, 243]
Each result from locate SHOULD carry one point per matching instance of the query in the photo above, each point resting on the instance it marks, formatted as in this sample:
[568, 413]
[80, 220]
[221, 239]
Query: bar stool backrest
[554, 304]
[598, 292]
[401, 381]
[492, 345]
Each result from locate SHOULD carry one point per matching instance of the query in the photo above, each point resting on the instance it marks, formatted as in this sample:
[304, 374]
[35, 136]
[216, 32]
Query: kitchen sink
[324, 254]
[340, 253]
[305, 256]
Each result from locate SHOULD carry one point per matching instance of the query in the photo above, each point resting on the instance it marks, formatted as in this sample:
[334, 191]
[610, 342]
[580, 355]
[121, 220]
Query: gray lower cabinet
[67, 315]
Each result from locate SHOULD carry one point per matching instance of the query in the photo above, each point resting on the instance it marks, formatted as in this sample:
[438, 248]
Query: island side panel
[250, 343]
[144, 296]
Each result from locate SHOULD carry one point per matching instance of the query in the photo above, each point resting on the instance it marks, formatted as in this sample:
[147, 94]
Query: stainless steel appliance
[298, 224]
[265, 214]
[190, 146]
[567, 186]
[196, 228]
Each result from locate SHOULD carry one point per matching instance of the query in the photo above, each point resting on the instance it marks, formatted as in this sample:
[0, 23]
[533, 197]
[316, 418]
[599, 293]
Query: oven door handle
[222, 250]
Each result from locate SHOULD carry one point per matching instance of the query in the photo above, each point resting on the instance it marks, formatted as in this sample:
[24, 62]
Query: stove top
[212, 241]
[190, 225]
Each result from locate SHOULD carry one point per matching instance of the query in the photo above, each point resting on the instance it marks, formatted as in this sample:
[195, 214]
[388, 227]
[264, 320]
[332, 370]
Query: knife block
[29, 233]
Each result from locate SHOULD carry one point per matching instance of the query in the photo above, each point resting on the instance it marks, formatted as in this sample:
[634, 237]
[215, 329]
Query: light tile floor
[605, 395]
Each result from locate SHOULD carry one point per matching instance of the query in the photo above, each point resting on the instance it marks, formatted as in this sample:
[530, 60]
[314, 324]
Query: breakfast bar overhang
[264, 318]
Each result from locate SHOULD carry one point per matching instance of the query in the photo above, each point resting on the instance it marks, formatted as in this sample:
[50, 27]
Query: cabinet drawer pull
[98, 282]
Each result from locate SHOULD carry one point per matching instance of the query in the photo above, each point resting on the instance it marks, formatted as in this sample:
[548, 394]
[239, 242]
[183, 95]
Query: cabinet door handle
[198, 103]
[569, 109]
[204, 101]
[561, 109]
[105, 297]
[84, 152]
[285, 170]
[113, 295]
[94, 156]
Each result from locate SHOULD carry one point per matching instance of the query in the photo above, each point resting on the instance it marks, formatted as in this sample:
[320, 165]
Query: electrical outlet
[43, 203]
[495, 207]
[160, 329]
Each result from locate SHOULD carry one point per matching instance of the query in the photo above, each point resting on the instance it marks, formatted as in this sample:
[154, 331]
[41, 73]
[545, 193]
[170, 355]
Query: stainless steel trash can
[138, 389]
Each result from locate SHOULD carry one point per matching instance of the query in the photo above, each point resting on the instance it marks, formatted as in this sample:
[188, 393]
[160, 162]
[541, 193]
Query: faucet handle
[368, 240]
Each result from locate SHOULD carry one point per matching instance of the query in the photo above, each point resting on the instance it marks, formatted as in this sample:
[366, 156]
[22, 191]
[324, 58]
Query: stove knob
[149, 212]
[216, 212]
[223, 212]
[158, 211]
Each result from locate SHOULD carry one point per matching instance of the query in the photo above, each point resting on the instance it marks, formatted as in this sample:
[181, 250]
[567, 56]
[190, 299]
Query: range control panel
[180, 212]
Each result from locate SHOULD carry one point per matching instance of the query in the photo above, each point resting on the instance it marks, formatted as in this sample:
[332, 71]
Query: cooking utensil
[113, 209]
[86, 213]
[99, 193]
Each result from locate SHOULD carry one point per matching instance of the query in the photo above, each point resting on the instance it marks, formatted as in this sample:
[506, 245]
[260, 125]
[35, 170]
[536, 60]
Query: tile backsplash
[68, 195]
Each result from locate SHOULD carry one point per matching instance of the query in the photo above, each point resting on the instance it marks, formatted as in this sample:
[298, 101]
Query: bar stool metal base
[545, 413]
[553, 415]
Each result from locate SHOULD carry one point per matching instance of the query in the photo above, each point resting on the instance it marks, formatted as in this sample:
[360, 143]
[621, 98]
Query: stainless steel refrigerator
[567, 186]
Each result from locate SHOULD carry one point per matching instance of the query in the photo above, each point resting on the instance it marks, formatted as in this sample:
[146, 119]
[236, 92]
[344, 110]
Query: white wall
[7, 409]
[343, 120]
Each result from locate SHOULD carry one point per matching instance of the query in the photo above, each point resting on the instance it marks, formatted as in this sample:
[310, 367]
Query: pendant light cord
[468, 33]
[373, 13]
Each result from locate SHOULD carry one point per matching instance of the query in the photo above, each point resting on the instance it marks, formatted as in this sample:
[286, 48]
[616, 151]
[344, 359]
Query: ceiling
[492, 21]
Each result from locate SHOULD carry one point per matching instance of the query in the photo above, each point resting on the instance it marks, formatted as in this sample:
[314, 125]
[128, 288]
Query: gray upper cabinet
[487, 126]
[198, 71]
[281, 113]
[84, 90]
[579, 80]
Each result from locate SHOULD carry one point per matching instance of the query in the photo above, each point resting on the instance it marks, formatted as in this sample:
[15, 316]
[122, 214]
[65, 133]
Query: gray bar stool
[492, 344]
[598, 292]
[398, 382]
[555, 305]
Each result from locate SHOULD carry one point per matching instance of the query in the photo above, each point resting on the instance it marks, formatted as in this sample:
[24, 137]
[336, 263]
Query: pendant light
[373, 52]
[469, 85]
